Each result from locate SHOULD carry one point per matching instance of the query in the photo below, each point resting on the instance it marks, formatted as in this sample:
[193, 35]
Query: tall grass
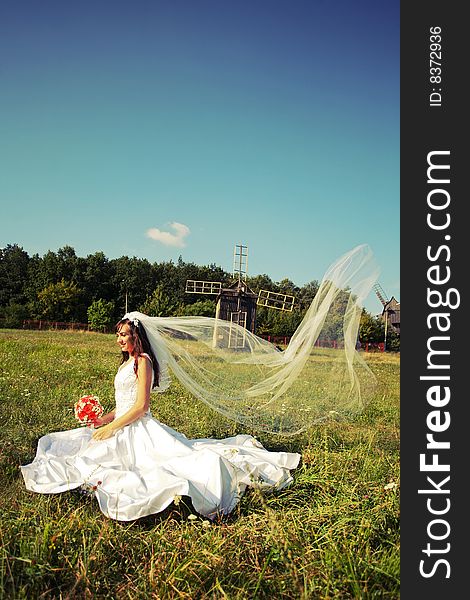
[334, 533]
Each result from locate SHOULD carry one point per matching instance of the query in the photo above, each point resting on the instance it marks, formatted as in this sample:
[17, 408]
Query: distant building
[391, 312]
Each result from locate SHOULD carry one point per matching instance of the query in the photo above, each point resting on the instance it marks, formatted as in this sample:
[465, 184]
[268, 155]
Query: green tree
[59, 301]
[285, 323]
[261, 282]
[202, 308]
[371, 329]
[100, 315]
[393, 340]
[14, 315]
[53, 267]
[134, 279]
[14, 262]
[159, 304]
[97, 278]
[286, 286]
[306, 294]
[67, 263]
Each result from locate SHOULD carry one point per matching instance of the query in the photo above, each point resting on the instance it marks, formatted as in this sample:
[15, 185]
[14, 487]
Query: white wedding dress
[146, 465]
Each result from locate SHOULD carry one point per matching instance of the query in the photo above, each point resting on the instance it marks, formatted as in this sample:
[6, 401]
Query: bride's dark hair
[141, 345]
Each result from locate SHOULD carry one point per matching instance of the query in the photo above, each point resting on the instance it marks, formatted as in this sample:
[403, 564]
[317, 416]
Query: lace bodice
[125, 386]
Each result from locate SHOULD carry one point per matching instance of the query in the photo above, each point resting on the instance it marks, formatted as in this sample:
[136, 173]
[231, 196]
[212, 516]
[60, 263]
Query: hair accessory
[136, 322]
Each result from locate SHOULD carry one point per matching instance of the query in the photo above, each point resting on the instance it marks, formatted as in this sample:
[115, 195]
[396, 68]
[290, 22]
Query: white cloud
[176, 239]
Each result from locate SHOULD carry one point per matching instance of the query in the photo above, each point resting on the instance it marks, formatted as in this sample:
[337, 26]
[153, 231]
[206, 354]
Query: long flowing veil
[257, 384]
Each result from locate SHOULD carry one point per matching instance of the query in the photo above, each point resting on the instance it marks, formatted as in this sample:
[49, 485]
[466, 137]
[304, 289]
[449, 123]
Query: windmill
[391, 309]
[237, 303]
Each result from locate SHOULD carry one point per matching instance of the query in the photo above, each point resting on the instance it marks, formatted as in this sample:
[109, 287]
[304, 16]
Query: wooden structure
[391, 312]
[391, 309]
[236, 302]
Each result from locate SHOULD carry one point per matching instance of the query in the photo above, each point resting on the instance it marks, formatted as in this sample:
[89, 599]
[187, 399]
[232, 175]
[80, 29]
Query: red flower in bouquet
[88, 409]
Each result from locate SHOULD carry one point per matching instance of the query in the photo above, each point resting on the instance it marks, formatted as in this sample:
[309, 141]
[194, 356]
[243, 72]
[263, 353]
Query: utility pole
[125, 295]
[386, 324]
[388, 312]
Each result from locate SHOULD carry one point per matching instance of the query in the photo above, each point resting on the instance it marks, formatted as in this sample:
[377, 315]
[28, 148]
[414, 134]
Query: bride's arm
[144, 382]
[105, 419]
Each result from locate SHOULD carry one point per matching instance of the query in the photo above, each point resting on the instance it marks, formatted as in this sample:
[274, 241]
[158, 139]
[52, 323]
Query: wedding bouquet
[88, 409]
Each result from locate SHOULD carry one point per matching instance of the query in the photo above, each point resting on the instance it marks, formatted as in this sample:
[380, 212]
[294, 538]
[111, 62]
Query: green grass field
[334, 533]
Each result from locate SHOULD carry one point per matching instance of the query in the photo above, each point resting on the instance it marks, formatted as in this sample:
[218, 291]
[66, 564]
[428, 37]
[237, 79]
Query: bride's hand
[103, 433]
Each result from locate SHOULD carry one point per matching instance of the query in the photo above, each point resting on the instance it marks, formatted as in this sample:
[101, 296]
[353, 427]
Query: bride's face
[124, 339]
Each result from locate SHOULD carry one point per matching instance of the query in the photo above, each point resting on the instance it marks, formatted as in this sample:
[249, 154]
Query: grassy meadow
[334, 533]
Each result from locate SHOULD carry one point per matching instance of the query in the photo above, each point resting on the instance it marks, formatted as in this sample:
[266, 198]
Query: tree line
[61, 286]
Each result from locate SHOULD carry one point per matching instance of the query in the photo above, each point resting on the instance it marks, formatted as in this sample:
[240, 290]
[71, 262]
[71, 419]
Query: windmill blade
[237, 333]
[203, 287]
[240, 262]
[275, 300]
[381, 295]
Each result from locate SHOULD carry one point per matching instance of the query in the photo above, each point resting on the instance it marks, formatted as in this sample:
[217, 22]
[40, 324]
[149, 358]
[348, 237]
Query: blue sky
[271, 123]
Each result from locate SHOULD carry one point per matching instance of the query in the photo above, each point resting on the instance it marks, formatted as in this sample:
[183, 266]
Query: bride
[137, 466]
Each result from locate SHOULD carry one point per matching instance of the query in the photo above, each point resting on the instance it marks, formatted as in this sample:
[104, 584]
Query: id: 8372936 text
[435, 66]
